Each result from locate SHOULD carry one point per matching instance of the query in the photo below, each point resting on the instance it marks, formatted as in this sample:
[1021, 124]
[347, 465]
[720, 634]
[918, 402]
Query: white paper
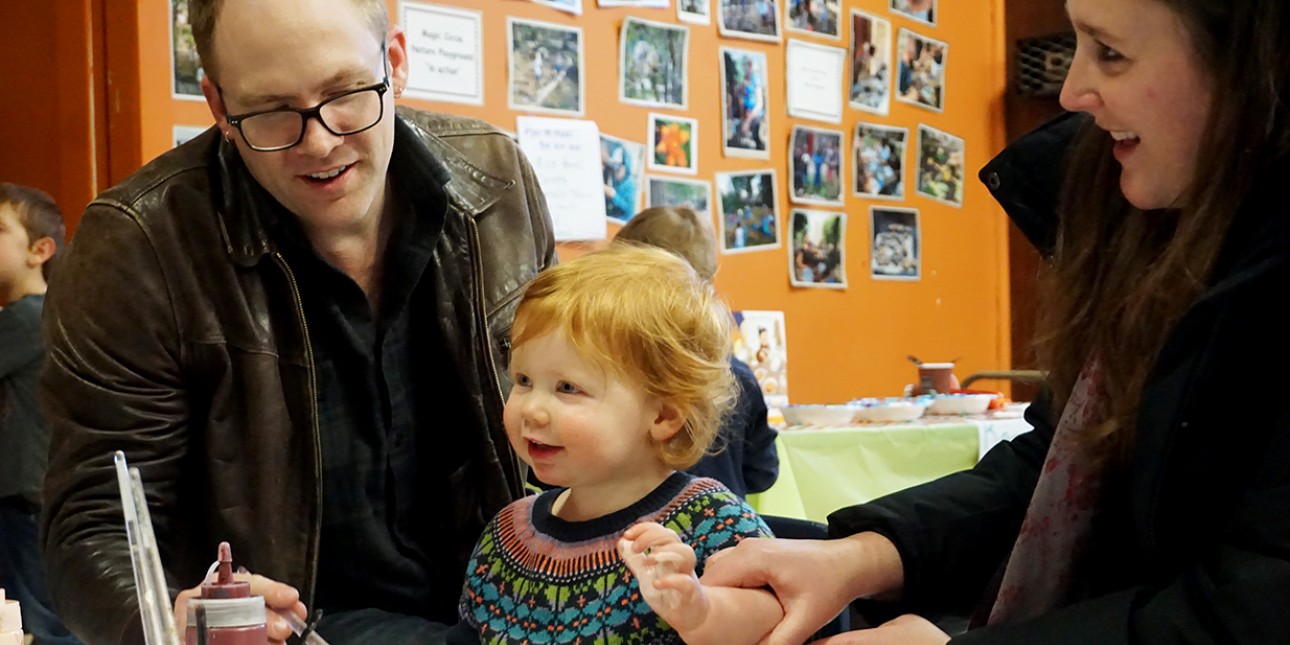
[445, 53]
[565, 155]
[814, 80]
[183, 133]
[991, 432]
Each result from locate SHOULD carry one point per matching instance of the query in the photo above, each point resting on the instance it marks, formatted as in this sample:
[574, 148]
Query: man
[294, 325]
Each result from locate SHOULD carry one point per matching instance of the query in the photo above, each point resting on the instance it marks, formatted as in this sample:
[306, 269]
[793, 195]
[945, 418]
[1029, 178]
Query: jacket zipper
[316, 535]
[478, 265]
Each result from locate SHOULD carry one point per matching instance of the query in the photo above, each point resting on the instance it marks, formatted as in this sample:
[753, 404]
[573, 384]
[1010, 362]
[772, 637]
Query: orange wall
[51, 131]
[842, 344]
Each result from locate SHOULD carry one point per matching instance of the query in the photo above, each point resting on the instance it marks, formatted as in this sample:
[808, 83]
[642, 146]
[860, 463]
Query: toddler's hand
[666, 574]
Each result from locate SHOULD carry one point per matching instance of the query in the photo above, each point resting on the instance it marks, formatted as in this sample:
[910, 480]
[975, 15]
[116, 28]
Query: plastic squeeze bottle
[10, 621]
[232, 615]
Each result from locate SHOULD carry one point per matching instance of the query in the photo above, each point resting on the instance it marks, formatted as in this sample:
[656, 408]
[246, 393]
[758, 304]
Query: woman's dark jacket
[1196, 535]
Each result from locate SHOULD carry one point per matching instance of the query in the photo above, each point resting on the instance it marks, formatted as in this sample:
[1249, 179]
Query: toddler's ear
[667, 422]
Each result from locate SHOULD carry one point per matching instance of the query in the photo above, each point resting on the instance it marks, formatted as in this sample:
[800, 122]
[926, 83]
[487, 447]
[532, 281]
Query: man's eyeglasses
[349, 113]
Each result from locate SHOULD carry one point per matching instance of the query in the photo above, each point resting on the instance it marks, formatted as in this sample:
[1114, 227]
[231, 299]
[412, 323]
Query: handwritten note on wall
[565, 154]
[445, 54]
[815, 84]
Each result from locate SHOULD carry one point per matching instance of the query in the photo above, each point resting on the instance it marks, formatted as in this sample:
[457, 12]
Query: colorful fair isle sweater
[535, 578]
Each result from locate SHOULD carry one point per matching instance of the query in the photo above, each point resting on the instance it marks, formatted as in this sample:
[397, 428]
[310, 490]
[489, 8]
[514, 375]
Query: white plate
[894, 411]
[959, 404]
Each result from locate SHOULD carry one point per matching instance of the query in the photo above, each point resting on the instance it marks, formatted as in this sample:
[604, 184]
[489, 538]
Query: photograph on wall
[694, 194]
[920, 10]
[751, 19]
[570, 6]
[814, 85]
[182, 133]
[879, 161]
[815, 161]
[870, 87]
[651, 58]
[573, 7]
[817, 17]
[894, 249]
[940, 166]
[445, 49]
[817, 249]
[185, 66]
[623, 165]
[698, 12]
[746, 209]
[745, 119]
[675, 141]
[762, 344]
[546, 67]
[658, 4]
[921, 70]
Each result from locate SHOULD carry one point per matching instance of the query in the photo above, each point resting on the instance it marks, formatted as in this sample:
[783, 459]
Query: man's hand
[813, 579]
[277, 597]
[902, 630]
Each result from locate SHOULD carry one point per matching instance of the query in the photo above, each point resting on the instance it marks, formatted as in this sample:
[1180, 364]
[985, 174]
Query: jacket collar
[247, 211]
[1026, 180]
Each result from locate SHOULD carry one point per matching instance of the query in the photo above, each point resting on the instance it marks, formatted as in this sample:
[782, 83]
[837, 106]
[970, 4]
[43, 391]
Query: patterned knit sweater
[534, 578]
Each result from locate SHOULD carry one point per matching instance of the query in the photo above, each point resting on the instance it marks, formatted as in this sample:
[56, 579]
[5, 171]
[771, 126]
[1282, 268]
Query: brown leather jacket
[176, 334]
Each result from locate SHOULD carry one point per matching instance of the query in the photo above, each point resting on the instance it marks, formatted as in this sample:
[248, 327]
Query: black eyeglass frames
[278, 129]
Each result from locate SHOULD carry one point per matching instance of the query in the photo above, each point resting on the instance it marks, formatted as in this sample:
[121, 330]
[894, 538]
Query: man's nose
[318, 141]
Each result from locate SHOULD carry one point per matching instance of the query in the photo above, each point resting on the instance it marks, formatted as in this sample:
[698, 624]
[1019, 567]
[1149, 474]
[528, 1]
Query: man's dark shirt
[387, 397]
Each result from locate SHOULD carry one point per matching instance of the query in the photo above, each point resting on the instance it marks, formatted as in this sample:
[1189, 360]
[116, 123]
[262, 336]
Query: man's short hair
[203, 14]
[38, 214]
[679, 230]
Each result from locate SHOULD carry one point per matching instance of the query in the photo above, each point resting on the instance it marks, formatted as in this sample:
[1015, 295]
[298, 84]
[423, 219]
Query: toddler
[620, 363]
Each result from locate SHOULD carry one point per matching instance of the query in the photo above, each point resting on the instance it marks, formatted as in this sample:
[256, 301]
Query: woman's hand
[277, 597]
[813, 579]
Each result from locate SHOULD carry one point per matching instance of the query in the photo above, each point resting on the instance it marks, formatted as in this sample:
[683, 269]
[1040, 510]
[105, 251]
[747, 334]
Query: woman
[1152, 502]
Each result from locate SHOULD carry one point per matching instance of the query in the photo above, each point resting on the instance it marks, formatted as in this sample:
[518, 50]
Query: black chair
[792, 528]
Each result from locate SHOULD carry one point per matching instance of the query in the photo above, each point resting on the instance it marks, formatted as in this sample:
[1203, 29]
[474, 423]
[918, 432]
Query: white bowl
[885, 410]
[817, 415]
[951, 404]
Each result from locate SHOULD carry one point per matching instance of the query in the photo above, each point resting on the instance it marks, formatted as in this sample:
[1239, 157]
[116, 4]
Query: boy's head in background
[31, 233]
[620, 361]
[679, 230]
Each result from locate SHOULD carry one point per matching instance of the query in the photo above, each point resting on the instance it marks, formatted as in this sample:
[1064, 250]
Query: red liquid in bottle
[233, 615]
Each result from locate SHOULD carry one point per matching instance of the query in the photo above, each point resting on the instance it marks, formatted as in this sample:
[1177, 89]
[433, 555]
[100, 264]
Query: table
[822, 469]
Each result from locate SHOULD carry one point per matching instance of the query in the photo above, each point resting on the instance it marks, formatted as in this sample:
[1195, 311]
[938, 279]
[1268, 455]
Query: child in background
[621, 374]
[744, 457]
[31, 232]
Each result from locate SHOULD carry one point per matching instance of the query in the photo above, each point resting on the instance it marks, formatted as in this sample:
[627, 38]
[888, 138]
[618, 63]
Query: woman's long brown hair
[1121, 278]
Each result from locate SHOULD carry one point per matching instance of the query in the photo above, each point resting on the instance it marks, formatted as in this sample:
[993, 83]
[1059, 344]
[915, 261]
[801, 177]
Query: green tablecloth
[824, 469]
